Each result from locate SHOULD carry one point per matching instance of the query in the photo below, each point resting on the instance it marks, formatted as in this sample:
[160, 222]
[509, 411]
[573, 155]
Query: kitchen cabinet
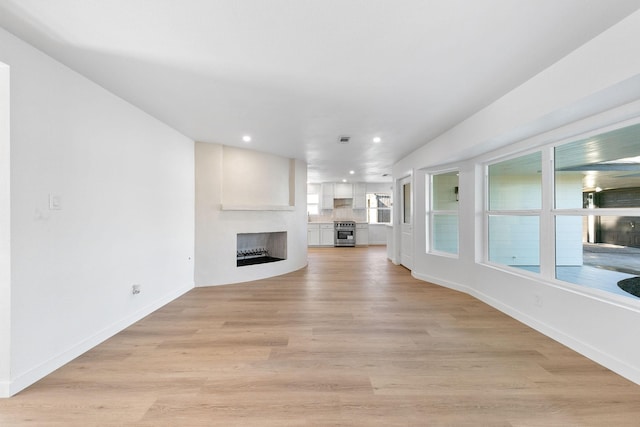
[326, 234]
[313, 234]
[362, 234]
[359, 195]
[343, 191]
[327, 195]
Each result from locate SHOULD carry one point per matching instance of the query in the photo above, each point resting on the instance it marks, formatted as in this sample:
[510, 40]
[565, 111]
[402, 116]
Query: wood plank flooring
[351, 340]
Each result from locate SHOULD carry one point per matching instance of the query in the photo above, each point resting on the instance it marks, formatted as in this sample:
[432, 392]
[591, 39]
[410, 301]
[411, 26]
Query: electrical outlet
[135, 289]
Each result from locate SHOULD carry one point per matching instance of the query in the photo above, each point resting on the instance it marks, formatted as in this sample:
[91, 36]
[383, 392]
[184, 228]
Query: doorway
[405, 191]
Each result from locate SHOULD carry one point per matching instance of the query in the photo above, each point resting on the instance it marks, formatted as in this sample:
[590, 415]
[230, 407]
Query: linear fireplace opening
[260, 248]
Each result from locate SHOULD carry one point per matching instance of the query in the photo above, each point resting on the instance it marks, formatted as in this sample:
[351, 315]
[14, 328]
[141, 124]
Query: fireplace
[260, 248]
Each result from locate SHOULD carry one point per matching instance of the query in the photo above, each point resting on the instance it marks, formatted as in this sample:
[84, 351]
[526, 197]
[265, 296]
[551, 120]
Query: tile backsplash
[338, 214]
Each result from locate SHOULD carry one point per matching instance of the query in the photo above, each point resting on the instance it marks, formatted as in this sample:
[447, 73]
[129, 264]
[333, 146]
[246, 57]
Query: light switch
[55, 202]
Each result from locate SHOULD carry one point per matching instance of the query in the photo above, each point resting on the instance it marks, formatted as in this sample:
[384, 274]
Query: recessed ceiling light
[246, 138]
[344, 180]
[352, 172]
[377, 139]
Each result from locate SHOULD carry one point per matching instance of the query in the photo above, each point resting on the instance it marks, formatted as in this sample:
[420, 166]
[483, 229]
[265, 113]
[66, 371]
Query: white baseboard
[443, 282]
[597, 355]
[33, 375]
[608, 361]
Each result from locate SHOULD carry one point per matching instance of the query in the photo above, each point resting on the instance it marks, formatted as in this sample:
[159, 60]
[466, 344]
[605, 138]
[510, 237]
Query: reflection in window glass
[406, 203]
[515, 241]
[514, 237]
[445, 233]
[444, 212]
[516, 184]
[445, 191]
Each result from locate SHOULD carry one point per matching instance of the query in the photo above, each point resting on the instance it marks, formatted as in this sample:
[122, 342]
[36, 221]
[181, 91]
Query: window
[313, 199]
[589, 223]
[513, 217]
[443, 215]
[597, 209]
[313, 203]
[378, 208]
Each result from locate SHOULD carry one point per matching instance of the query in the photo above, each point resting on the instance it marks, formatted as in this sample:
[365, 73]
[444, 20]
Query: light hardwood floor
[351, 340]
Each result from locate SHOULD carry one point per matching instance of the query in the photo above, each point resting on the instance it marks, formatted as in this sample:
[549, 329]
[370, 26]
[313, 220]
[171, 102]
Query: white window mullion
[547, 220]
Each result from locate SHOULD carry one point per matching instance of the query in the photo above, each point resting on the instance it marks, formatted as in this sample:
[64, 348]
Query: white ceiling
[297, 74]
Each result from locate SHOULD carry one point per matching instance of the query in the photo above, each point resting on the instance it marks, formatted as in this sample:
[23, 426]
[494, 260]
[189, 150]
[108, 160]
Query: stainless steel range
[345, 233]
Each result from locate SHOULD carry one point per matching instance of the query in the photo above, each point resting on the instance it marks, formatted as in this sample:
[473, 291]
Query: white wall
[5, 235]
[561, 102]
[217, 229]
[124, 185]
[251, 178]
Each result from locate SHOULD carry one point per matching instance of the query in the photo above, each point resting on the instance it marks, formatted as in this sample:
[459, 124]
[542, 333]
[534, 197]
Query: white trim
[443, 282]
[5, 230]
[5, 389]
[28, 378]
[605, 359]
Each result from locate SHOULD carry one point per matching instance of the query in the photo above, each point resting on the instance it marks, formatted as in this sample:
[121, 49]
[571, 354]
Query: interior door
[406, 222]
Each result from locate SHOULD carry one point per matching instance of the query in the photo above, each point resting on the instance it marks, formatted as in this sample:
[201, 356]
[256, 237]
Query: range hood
[342, 203]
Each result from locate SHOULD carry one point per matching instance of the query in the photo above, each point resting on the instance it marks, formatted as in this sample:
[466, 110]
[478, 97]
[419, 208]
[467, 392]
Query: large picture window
[443, 213]
[597, 209]
[589, 221]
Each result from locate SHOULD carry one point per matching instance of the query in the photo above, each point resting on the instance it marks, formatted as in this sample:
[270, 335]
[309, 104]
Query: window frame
[378, 209]
[582, 212]
[487, 213]
[548, 213]
[431, 213]
[313, 208]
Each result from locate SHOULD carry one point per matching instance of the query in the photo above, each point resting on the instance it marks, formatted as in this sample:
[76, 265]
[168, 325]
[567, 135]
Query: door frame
[399, 220]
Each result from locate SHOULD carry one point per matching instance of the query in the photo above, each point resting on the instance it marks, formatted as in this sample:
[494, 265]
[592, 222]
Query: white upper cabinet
[359, 195]
[327, 193]
[343, 190]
